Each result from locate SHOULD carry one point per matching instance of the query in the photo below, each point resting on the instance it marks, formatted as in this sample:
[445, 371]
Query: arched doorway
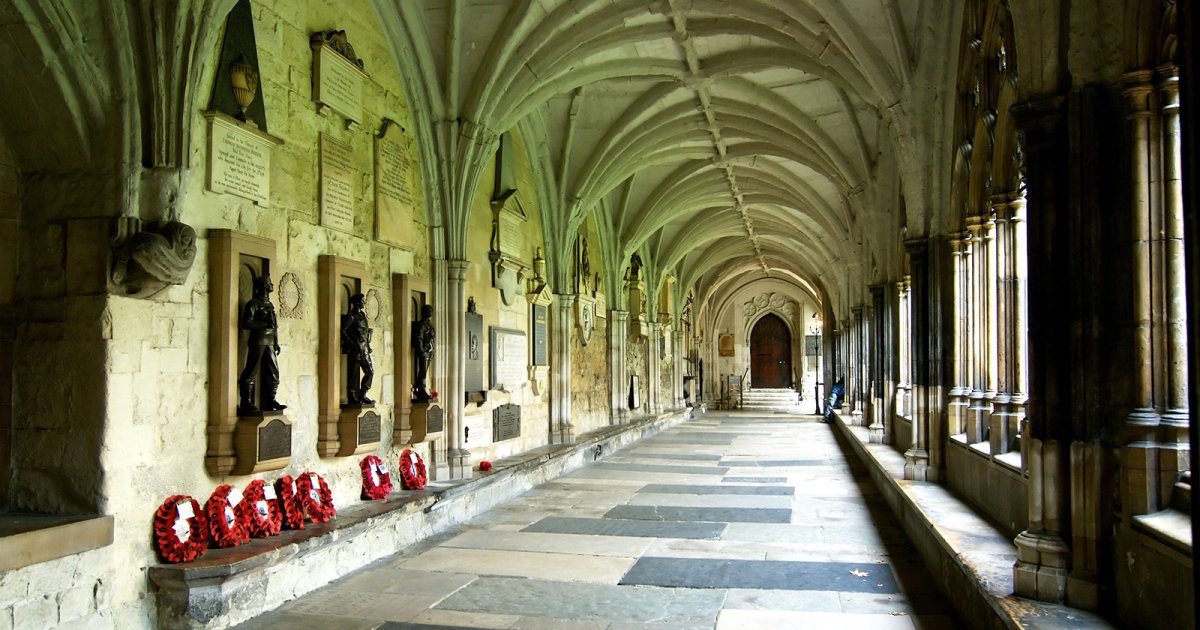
[770, 353]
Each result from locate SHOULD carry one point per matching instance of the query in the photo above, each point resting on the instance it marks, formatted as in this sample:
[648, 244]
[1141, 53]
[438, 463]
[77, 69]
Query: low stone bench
[228, 586]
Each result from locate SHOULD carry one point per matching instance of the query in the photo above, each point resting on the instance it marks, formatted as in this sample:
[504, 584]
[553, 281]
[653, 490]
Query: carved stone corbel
[145, 260]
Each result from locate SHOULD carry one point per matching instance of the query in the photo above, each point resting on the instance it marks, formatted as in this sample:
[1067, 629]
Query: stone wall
[9, 215]
[636, 363]
[591, 406]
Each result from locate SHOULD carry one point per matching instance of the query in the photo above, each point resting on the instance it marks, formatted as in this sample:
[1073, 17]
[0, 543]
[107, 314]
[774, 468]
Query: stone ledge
[228, 586]
[27, 539]
[970, 558]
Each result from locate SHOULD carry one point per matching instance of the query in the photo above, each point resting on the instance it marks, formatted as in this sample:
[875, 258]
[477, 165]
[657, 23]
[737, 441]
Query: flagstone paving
[678, 531]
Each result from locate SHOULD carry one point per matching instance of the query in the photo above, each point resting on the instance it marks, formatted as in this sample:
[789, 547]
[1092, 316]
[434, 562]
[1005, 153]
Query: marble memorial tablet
[393, 188]
[337, 184]
[506, 422]
[509, 365]
[337, 83]
[239, 159]
[539, 336]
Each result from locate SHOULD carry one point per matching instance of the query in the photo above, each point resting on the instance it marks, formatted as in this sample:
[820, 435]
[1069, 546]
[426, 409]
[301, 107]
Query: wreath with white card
[376, 479]
[285, 489]
[223, 526]
[412, 470]
[259, 511]
[180, 529]
[314, 497]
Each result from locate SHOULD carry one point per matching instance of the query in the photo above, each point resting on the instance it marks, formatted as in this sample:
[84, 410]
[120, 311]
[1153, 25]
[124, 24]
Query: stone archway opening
[770, 353]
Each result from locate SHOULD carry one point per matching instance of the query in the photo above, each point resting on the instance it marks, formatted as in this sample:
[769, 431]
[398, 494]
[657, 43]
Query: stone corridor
[731, 520]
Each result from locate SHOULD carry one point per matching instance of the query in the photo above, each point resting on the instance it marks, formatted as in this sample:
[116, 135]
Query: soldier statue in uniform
[356, 343]
[423, 338]
[258, 317]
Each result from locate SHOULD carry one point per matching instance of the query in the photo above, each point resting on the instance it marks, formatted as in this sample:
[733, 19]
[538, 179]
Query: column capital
[457, 268]
[1137, 87]
[1168, 86]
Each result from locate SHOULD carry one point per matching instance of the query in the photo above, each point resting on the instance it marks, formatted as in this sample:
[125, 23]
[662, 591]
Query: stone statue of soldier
[356, 343]
[262, 347]
[422, 344]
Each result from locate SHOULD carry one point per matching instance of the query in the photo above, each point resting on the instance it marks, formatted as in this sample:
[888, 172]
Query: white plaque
[337, 83]
[337, 184]
[393, 188]
[510, 359]
[239, 158]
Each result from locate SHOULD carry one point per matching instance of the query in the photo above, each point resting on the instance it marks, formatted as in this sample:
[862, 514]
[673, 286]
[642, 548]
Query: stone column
[654, 369]
[1173, 432]
[618, 339]
[978, 408]
[453, 357]
[959, 368]
[903, 382]
[916, 458]
[677, 351]
[1042, 555]
[875, 429]
[855, 382]
[560, 368]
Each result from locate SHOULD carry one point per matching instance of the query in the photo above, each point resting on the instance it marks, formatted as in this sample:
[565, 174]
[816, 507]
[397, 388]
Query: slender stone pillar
[677, 350]
[618, 339]
[654, 404]
[560, 368]
[959, 403]
[1139, 456]
[979, 408]
[1000, 419]
[876, 340]
[856, 385]
[1042, 555]
[904, 378]
[916, 458]
[455, 365]
[1173, 432]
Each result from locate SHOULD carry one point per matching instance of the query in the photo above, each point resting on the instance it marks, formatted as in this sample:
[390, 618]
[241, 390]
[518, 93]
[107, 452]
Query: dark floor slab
[665, 468]
[691, 514]
[850, 577]
[767, 463]
[754, 480]
[577, 601]
[633, 528]
[699, 438]
[683, 488]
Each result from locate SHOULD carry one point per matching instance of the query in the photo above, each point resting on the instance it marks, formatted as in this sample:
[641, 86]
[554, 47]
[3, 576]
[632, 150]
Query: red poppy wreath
[314, 498]
[223, 526]
[377, 481]
[285, 489]
[412, 470]
[180, 529]
[259, 511]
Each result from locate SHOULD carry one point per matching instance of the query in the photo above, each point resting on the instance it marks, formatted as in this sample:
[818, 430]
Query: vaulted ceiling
[718, 138]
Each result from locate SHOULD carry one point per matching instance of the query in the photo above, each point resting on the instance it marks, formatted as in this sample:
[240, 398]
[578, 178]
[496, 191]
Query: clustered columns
[560, 376]
[958, 404]
[677, 363]
[618, 337]
[654, 369]
[879, 343]
[456, 308]
[916, 458]
[903, 404]
[982, 299]
[857, 384]
[1008, 407]
[1156, 447]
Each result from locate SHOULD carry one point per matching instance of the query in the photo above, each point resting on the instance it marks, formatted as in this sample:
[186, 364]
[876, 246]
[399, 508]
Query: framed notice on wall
[540, 355]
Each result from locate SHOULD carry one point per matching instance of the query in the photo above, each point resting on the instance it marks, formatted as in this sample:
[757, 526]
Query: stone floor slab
[758, 619]
[522, 563]
[713, 515]
[679, 469]
[619, 527]
[756, 480]
[757, 574]
[615, 546]
[580, 602]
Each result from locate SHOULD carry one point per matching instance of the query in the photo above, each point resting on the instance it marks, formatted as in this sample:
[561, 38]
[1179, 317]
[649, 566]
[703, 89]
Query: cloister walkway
[732, 520]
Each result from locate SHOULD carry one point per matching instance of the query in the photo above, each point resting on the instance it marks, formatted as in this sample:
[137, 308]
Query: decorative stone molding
[374, 307]
[769, 301]
[585, 317]
[146, 260]
[292, 296]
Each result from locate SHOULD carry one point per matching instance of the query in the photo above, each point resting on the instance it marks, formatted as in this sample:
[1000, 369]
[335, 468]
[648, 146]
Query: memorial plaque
[239, 159]
[506, 422]
[337, 83]
[368, 428]
[393, 188]
[337, 184]
[509, 364]
[812, 345]
[435, 420]
[274, 440]
[540, 356]
[474, 368]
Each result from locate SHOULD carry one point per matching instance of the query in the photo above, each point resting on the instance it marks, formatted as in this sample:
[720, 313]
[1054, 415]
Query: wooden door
[770, 353]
